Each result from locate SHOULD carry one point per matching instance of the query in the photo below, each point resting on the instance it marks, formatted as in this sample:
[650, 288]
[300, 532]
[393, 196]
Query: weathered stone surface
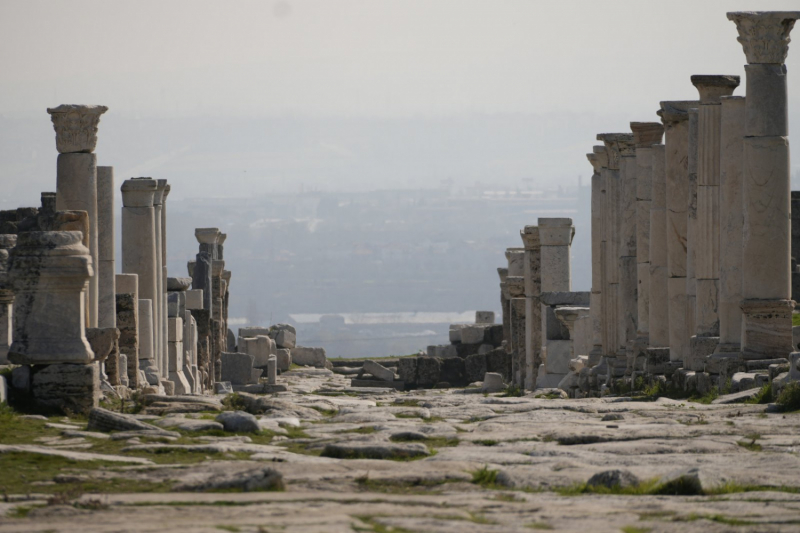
[179, 284]
[428, 371]
[493, 382]
[475, 367]
[284, 359]
[407, 370]
[238, 368]
[285, 335]
[66, 387]
[104, 420]
[611, 479]
[256, 480]
[484, 317]
[375, 450]
[579, 299]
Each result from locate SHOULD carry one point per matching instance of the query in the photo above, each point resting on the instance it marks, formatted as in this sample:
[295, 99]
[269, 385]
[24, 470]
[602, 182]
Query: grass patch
[513, 391]
[418, 486]
[752, 445]
[539, 525]
[376, 527]
[763, 396]
[485, 477]
[634, 529]
[718, 518]
[405, 403]
[300, 448]
[366, 430]
[796, 319]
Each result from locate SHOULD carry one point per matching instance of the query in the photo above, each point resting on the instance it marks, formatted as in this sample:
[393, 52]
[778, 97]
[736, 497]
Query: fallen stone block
[611, 479]
[493, 382]
[304, 356]
[736, 397]
[379, 371]
[484, 317]
[284, 359]
[742, 381]
[104, 420]
[256, 479]
[473, 335]
[223, 387]
[691, 481]
[238, 368]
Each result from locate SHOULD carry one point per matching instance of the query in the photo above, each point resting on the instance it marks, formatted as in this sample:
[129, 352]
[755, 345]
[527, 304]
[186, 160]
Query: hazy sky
[371, 58]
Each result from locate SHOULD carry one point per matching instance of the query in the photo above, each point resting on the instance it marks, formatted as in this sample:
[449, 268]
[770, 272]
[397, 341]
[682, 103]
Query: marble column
[601, 156]
[503, 274]
[675, 117]
[691, 229]
[159, 331]
[516, 269]
[76, 177]
[596, 298]
[533, 305]
[164, 311]
[106, 267]
[707, 232]
[627, 292]
[50, 273]
[146, 356]
[731, 214]
[659, 295]
[7, 242]
[766, 261]
[645, 135]
[139, 255]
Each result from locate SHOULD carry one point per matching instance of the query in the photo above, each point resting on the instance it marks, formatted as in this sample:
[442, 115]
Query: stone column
[159, 330]
[517, 303]
[766, 261]
[127, 298]
[602, 157]
[555, 235]
[707, 245]
[691, 229]
[645, 135]
[675, 117]
[106, 268]
[7, 242]
[516, 345]
[533, 305]
[503, 274]
[731, 214]
[598, 190]
[201, 275]
[628, 293]
[139, 255]
[76, 176]
[164, 311]
[50, 272]
[659, 295]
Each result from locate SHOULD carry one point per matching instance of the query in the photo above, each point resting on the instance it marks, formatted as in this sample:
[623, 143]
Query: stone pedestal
[766, 261]
[659, 293]
[76, 177]
[533, 306]
[731, 211]
[50, 271]
[674, 115]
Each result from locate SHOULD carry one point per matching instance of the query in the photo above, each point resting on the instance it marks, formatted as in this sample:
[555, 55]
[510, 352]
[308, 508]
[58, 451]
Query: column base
[657, 361]
[67, 388]
[699, 349]
[767, 329]
[151, 374]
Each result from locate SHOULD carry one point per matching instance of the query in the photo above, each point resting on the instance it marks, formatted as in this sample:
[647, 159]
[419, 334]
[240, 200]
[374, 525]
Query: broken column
[675, 117]
[707, 245]
[176, 336]
[645, 135]
[127, 308]
[159, 328]
[533, 306]
[766, 305]
[76, 176]
[139, 257]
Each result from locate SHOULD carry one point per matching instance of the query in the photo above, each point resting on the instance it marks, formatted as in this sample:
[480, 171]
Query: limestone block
[70, 388]
[284, 360]
[453, 372]
[176, 304]
[794, 366]
[272, 370]
[175, 356]
[178, 284]
[552, 327]
[175, 329]
[378, 370]
[304, 356]
[253, 331]
[473, 334]
[265, 347]
[237, 368]
[657, 361]
[190, 377]
[707, 315]
[559, 354]
[428, 371]
[700, 349]
[570, 298]
[455, 332]
[179, 382]
[194, 299]
[474, 367]
[484, 317]
[286, 338]
[499, 361]
[407, 369]
[516, 261]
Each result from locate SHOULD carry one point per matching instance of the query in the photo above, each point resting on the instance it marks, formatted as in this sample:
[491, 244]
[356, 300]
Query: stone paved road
[453, 461]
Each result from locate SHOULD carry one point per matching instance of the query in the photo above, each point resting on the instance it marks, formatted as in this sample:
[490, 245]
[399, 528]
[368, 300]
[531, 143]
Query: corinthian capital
[76, 127]
[764, 34]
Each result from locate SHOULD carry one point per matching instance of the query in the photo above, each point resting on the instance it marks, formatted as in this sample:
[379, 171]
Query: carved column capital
[764, 35]
[646, 134]
[76, 127]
